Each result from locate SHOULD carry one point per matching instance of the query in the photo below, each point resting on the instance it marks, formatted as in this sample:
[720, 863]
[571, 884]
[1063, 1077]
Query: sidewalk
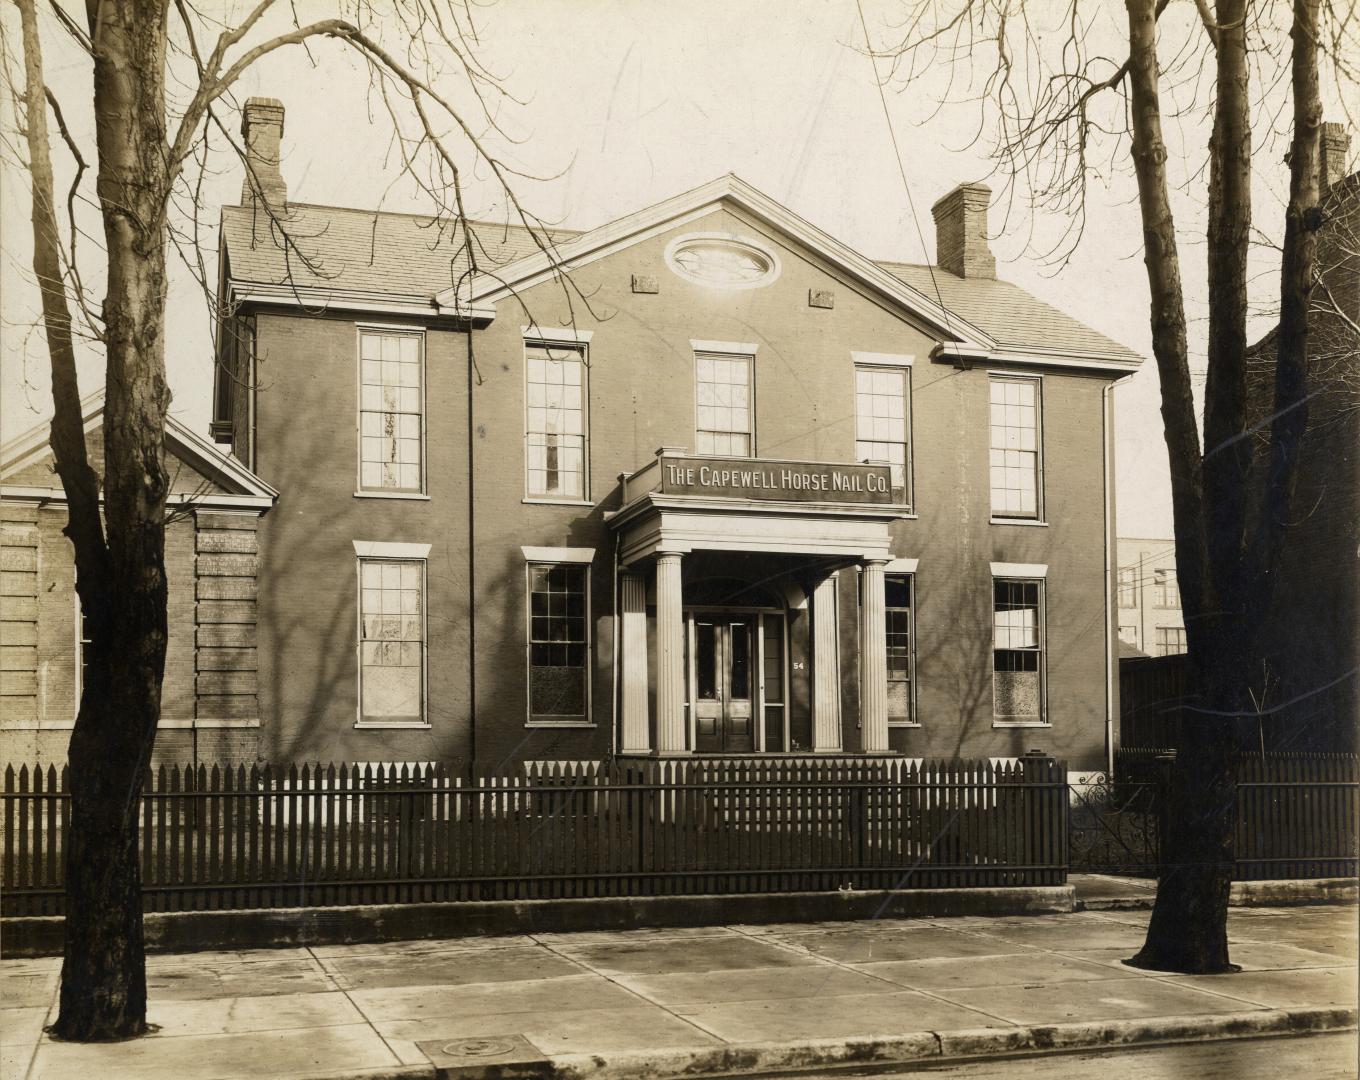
[705, 1000]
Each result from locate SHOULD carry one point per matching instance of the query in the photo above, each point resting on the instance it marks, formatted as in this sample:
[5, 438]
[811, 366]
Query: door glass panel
[741, 661]
[705, 661]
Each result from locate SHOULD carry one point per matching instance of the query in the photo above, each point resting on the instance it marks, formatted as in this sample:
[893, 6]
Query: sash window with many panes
[901, 647]
[1015, 441]
[1018, 660]
[555, 458]
[723, 414]
[559, 644]
[391, 412]
[391, 641]
[881, 423]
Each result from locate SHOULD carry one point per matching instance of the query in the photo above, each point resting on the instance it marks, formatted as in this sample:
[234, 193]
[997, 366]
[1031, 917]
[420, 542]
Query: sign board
[777, 481]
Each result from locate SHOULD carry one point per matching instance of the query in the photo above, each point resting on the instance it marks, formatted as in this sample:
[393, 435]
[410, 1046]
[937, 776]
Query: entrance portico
[720, 671]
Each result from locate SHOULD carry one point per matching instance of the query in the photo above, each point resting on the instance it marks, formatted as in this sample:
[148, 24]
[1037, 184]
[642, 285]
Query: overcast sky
[633, 102]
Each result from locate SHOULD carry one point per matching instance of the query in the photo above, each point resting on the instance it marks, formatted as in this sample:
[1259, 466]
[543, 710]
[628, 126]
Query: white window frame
[1039, 580]
[904, 370]
[1162, 577]
[580, 345]
[81, 641]
[562, 557]
[377, 552]
[1010, 517]
[1160, 643]
[393, 330]
[722, 350]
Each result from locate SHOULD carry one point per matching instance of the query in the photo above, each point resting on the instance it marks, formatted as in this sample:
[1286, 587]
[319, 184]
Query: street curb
[262, 928]
[917, 1046]
[1292, 892]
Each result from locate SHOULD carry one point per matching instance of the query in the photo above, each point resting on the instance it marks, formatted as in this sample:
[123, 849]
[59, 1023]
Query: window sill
[559, 724]
[396, 725]
[1021, 724]
[1031, 522]
[530, 500]
[902, 724]
[412, 495]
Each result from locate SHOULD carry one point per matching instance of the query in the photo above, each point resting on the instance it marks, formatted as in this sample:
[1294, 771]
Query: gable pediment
[200, 473]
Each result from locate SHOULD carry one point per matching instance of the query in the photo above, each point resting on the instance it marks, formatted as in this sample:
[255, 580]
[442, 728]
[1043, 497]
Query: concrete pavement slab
[849, 1016]
[219, 958]
[277, 1055]
[1069, 932]
[27, 989]
[972, 971]
[1115, 999]
[696, 954]
[224, 1016]
[421, 947]
[648, 933]
[1280, 989]
[868, 944]
[449, 969]
[191, 982]
[480, 999]
[753, 984]
[560, 1031]
[20, 1030]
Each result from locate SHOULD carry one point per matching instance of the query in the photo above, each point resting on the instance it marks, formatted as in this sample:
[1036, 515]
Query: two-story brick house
[733, 488]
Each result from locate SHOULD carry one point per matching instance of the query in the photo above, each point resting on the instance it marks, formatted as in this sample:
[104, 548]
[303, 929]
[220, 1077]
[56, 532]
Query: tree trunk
[103, 992]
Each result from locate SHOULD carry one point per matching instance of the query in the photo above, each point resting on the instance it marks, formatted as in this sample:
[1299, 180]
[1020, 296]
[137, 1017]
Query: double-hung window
[897, 589]
[559, 643]
[1016, 438]
[555, 422]
[1128, 587]
[724, 416]
[391, 411]
[1166, 590]
[882, 426]
[391, 641]
[1017, 651]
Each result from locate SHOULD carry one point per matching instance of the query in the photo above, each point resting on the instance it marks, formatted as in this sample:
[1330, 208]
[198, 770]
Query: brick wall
[641, 397]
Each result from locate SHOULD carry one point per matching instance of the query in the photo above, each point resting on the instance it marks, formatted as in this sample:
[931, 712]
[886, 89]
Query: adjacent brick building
[733, 488]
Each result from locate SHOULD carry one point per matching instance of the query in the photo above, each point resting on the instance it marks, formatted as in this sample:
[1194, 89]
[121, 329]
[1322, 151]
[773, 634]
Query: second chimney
[262, 131]
[961, 232]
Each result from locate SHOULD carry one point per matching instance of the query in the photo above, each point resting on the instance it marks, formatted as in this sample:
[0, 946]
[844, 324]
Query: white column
[873, 659]
[633, 600]
[826, 669]
[670, 657]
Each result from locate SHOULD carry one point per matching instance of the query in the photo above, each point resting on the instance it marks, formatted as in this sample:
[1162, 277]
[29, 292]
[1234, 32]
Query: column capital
[876, 560]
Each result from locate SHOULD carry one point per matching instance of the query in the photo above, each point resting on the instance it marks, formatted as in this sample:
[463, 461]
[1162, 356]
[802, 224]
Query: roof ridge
[368, 211]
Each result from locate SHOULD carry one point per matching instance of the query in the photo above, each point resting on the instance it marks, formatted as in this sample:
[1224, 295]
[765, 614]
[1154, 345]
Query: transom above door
[736, 676]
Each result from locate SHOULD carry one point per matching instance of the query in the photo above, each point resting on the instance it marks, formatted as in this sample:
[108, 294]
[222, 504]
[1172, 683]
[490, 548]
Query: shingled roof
[1006, 313]
[409, 255]
[370, 251]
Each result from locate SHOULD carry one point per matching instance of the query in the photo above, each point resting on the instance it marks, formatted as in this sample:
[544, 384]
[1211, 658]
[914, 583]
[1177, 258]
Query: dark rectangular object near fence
[310, 835]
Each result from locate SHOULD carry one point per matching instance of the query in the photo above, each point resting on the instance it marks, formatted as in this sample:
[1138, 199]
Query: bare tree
[1070, 94]
[149, 155]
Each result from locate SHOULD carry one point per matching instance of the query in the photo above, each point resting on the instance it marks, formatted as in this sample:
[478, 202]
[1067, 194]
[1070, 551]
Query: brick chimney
[961, 232]
[1336, 143]
[262, 132]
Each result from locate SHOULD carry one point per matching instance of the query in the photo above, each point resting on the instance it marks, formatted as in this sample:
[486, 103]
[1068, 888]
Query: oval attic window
[722, 262]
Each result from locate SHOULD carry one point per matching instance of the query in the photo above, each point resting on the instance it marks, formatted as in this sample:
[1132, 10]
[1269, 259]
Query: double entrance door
[736, 681]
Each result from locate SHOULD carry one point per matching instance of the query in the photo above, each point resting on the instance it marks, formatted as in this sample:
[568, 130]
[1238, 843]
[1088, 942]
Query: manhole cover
[479, 1048]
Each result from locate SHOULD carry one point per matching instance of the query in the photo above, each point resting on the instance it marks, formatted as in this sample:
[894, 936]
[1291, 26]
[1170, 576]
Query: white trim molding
[882, 359]
[558, 554]
[379, 549]
[735, 348]
[556, 334]
[901, 566]
[1019, 570]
